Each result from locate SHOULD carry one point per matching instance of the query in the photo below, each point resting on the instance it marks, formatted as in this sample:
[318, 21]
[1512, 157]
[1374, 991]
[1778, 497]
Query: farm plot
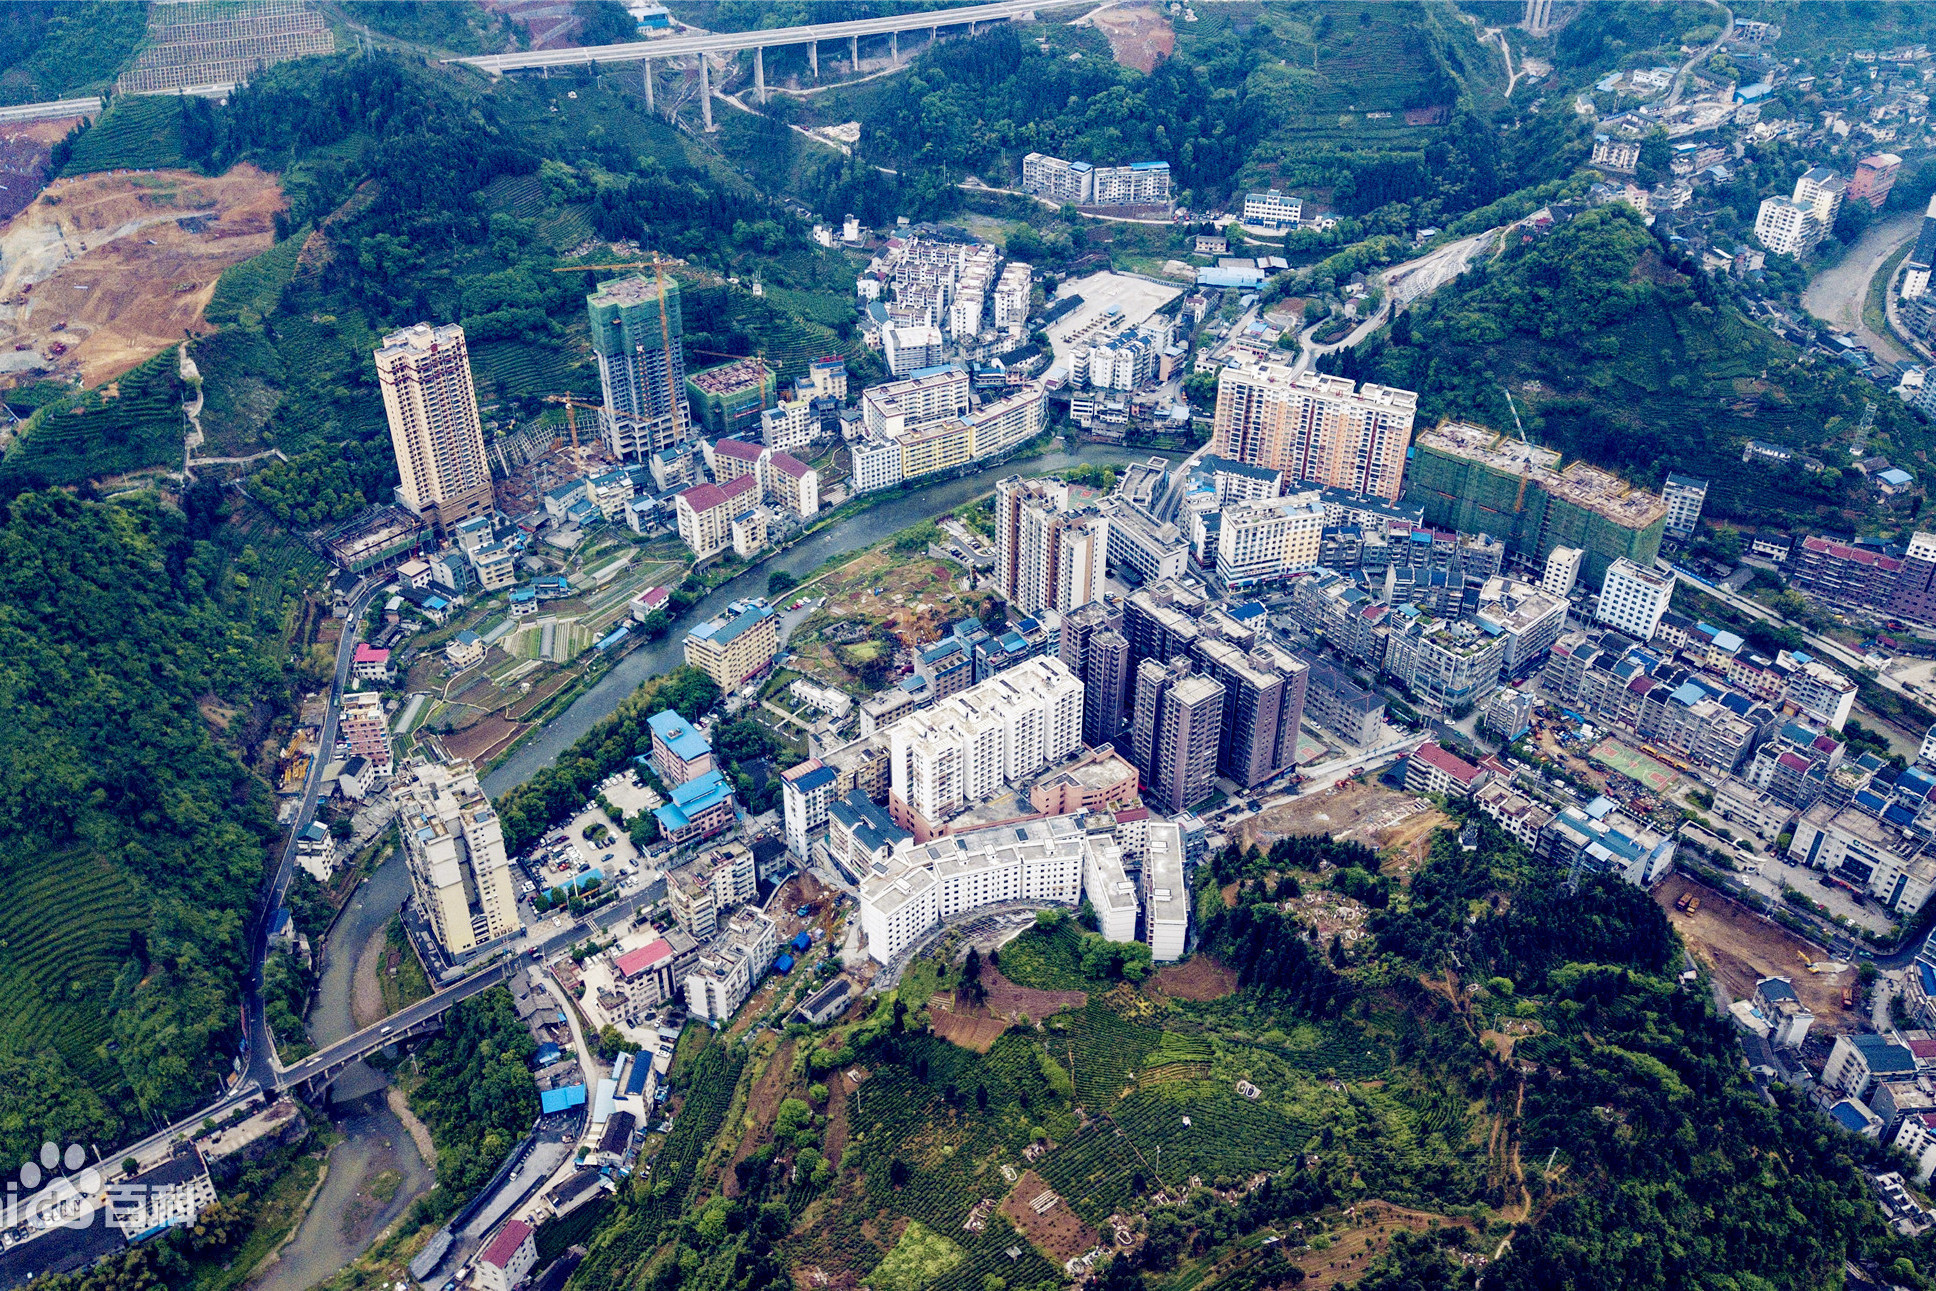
[65, 931]
[1097, 1172]
[1008, 1000]
[1041, 1215]
[135, 424]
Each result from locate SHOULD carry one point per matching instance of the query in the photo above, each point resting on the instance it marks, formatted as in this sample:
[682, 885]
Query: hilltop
[1623, 353]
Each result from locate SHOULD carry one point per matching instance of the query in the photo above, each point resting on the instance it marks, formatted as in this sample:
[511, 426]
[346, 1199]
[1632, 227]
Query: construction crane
[657, 264]
[572, 402]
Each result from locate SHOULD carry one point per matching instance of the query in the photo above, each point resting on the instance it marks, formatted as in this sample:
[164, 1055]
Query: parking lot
[1090, 322]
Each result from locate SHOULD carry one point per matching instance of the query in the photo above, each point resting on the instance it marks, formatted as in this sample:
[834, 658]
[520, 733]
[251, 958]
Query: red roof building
[508, 1259]
[1431, 769]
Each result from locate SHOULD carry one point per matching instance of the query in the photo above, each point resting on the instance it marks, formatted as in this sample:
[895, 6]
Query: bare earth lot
[1058, 1233]
[1741, 946]
[126, 263]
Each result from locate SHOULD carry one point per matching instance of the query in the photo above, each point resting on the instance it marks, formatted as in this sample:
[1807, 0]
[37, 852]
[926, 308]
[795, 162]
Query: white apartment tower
[1633, 598]
[455, 849]
[1684, 496]
[1562, 571]
[1787, 227]
[962, 750]
[435, 429]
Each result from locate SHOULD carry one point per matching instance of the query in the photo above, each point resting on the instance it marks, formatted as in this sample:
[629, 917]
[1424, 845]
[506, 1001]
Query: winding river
[854, 534]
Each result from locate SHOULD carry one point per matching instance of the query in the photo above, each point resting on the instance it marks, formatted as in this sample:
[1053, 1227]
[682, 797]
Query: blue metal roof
[1849, 1117]
[558, 1100]
[679, 735]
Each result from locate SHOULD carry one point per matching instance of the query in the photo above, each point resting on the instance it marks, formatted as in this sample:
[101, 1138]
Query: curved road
[1837, 294]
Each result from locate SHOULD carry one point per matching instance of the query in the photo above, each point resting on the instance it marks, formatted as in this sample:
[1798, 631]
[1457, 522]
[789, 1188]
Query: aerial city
[890, 645]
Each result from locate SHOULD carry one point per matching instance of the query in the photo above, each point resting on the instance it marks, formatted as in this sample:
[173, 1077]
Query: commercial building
[454, 846]
[679, 752]
[638, 335]
[1471, 479]
[1272, 210]
[1684, 496]
[963, 749]
[705, 513]
[728, 399]
[1864, 850]
[1633, 598]
[435, 430]
[700, 808]
[1047, 557]
[1315, 428]
[1155, 549]
[738, 643]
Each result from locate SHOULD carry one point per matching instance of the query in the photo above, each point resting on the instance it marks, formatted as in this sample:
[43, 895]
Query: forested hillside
[1619, 351]
[132, 838]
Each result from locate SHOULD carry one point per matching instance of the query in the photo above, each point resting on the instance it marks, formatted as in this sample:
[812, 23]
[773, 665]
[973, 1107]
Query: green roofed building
[1476, 480]
[730, 398]
[642, 377]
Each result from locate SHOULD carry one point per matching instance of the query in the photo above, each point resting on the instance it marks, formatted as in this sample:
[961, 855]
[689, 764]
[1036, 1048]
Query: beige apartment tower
[435, 429]
[455, 847]
[1317, 429]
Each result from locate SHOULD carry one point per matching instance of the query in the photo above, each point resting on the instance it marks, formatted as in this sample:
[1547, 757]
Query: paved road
[1837, 294]
[51, 110]
[372, 1038]
[262, 1065]
[726, 42]
[1680, 77]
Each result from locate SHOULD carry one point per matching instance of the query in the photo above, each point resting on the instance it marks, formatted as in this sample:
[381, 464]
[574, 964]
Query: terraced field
[66, 928]
[137, 132]
[246, 292]
[138, 425]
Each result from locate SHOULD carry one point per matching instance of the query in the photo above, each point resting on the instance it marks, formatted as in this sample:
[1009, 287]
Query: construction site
[105, 271]
[1741, 946]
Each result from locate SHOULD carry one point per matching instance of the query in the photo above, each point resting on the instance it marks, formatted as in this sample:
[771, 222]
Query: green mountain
[1623, 353]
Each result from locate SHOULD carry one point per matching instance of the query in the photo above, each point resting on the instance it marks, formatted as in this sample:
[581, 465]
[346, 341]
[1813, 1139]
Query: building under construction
[1475, 480]
[638, 333]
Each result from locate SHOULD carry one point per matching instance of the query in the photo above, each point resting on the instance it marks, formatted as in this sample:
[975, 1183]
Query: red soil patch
[1057, 1232]
[763, 1105]
[1197, 978]
[959, 1024]
[1006, 999]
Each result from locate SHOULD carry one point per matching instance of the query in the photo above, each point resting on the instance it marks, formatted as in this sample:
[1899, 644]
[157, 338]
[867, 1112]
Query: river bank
[379, 1168]
[853, 535]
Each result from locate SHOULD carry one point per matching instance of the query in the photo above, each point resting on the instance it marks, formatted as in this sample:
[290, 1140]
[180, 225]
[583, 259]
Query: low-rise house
[465, 649]
[1858, 1061]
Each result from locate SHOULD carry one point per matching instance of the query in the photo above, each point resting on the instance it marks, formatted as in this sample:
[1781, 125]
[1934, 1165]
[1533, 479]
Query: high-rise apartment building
[638, 334]
[1633, 598]
[1315, 428]
[1094, 649]
[435, 429]
[1684, 496]
[1047, 557]
[455, 849]
[1263, 706]
[1472, 479]
[1821, 190]
[1174, 738]
[1787, 226]
[1874, 177]
[1267, 539]
[962, 750]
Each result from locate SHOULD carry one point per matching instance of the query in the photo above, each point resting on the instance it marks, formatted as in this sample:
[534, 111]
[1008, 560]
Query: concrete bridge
[973, 17]
[314, 1073]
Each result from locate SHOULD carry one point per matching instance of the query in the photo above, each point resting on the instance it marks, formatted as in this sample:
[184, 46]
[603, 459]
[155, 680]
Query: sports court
[1633, 764]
